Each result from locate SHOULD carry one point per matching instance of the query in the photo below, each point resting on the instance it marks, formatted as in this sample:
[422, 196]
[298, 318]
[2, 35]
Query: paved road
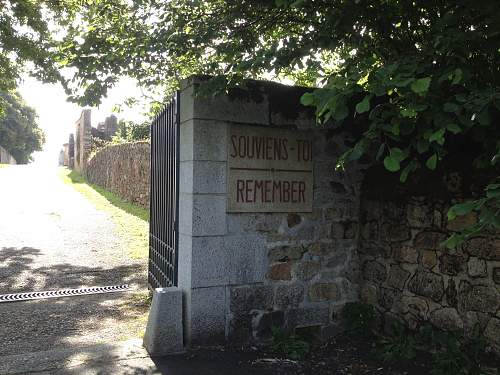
[51, 237]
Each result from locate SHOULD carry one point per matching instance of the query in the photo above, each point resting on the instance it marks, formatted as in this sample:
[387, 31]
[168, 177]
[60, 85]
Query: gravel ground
[51, 237]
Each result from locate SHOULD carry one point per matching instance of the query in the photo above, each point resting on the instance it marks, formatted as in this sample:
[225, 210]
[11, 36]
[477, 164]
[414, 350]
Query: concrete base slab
[164, 331]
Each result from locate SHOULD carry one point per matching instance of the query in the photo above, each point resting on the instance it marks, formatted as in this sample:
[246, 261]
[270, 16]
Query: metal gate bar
[164, 197]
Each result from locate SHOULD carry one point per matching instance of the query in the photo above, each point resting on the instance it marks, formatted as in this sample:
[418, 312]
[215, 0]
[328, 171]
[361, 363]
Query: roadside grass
[4, 165]
[132, 221]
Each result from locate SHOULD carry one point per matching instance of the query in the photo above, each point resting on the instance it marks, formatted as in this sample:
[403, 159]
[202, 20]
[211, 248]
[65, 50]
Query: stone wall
[409, 276]
[242, 273]
[122, 169]
[6, 157]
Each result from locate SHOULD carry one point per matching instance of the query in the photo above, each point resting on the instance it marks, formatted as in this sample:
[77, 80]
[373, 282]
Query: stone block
[476, 267]
[209, 215]
[462, 222]
[321, 248]
[186, 177]
[418, 215]
[288, 296]
[187, 101]
[496, 275]
[240, 106]
[370, 231]
[429, 240]
[210, 262]
[286, 252]
[208, 315]
[388, 297]
[164, 330]
[247, 258]
[210, 138]
[492, 333]
[416, 308]
[447, 319]
[369, 294]
[393, 232]
[427, 284]
[308, 316]
[306, 270]
[186, 139]
[280, 271]
[244, 299]
[428, 258]
[374, 271]
[451, 293]
[324, 292]
[186, 214]
[209, 177]
[397, 277]
[451, 264]
[483, 247]
[406, 254]
[481, 298]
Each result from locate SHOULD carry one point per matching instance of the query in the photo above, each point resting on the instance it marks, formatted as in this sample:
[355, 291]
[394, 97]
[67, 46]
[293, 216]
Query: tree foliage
[409, 76]
[19, 133]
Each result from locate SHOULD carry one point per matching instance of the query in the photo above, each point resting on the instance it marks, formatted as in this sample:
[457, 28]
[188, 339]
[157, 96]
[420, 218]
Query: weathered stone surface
[416, 307]
[492, 332]
[451, 293]
[428, 258]
[406, 254]
[496, 275]
[478, 298]
[427, 284]
[320, 248]
[429, 239]
[293, 220]
[267, 321]
[324, 292]
[482, 247]
[306, 270]
[418, 215]
[397, 277]
[393, 232]
[447, 319]
[280, 271]
[476, 267]
[368, 294]
[308, 316]
[247, 298]
[289, 295]
[462, 222]
[350, 228]
[451, 264]
[337, 259]
[337, 230]
[240, 327]
[286, 253]
[369, 230]
[374, 271]
[387, 297]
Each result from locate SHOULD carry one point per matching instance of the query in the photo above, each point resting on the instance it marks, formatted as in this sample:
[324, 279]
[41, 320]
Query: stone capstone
[324, 292]
[427, 284]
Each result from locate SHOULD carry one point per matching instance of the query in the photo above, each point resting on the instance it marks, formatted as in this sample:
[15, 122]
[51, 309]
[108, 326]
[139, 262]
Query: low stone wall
[123, 170]
[408, 275]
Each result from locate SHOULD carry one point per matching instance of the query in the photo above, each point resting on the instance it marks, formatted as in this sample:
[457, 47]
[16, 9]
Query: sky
[57, 117]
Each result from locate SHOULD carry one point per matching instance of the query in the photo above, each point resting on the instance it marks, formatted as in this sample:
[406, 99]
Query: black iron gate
[164, 197]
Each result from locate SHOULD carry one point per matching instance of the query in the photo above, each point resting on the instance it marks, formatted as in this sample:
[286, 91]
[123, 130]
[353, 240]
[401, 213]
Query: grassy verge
[4, 165]
[132, 221]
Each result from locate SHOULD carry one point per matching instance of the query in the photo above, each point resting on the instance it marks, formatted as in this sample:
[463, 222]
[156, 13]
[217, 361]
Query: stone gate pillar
[245, 263]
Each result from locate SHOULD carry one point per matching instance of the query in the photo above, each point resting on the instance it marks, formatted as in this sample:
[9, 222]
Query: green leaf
[457, 76]
[364, 105]
[461, 209]
[451, 107]
[391, 164]
[422, 146]
[453, 241]
[307, 99]
[438, 136]
[407, 170]
[340, 111]
[431, 162]
[397, 154]
[454, 128]
[421, 86]
[380, 151]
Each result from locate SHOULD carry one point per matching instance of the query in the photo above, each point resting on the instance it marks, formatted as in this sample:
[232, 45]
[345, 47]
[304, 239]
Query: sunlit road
[51, 237]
